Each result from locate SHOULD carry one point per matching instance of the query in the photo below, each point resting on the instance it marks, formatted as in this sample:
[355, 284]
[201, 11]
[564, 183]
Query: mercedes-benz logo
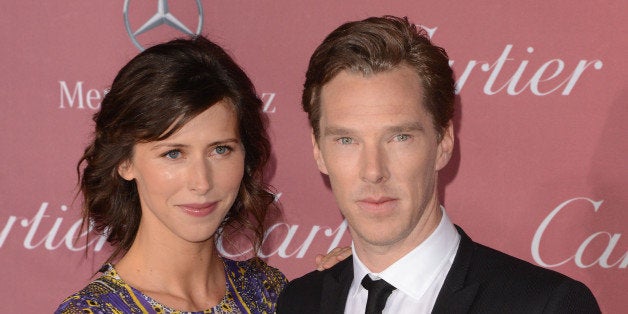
[163, 16]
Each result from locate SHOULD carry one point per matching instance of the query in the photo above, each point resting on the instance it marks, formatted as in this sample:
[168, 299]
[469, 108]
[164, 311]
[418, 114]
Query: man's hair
[376, 45]
[152, 97]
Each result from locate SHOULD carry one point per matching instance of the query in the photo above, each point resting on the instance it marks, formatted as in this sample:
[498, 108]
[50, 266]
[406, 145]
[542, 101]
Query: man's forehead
[403, 81]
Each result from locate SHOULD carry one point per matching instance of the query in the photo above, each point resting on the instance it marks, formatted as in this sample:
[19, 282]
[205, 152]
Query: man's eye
[173, 154]
[402, 137]
[345, 140]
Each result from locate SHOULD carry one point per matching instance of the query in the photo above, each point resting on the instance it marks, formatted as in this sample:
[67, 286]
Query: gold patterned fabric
[252, 287]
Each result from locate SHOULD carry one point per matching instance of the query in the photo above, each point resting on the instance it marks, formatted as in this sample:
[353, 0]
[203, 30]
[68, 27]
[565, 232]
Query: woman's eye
[345, 140]
[221, 150]
[173, 154]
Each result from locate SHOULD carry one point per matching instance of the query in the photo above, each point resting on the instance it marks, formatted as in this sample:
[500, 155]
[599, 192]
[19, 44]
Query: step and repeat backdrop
[539, 171]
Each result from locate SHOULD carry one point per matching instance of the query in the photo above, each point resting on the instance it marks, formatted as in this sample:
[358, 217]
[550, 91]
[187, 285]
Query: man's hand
[332, 258]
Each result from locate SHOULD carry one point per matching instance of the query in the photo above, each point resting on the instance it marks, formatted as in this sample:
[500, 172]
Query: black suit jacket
[481, 280]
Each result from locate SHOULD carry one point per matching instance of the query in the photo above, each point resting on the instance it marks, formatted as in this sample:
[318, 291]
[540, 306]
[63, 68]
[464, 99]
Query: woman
[176, 159]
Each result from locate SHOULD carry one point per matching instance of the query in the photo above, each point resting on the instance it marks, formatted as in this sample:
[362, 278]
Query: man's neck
[379, 257]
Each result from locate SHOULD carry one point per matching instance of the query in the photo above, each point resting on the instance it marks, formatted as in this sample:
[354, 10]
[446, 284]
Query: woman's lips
[198, 210]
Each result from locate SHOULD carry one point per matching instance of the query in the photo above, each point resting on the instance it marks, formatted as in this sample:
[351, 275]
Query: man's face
[381, 151]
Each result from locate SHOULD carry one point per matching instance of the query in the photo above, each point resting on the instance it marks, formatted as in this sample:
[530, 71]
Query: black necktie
[379, 290]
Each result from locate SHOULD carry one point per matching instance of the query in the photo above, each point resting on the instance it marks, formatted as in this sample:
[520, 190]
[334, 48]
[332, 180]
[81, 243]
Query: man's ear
[125, 170]
[445, 147]
[320, 162]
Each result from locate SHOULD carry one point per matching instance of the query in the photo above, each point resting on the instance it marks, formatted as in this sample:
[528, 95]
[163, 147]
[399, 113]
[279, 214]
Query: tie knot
[376, 285]
[379, 290]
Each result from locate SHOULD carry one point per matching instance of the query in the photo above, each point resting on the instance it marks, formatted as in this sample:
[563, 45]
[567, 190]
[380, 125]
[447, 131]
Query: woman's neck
[179, 274]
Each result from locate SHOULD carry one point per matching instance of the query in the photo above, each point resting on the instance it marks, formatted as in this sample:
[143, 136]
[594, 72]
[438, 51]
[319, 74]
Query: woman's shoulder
[256, 284]
[105, 294]
[90, 297]
[256, 268]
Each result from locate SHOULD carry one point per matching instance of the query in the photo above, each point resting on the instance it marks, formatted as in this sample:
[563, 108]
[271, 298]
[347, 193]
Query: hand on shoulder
[332, 258]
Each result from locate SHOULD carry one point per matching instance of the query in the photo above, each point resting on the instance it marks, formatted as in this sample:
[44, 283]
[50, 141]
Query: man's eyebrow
[336, 131]
[406, 127]
[399, 128]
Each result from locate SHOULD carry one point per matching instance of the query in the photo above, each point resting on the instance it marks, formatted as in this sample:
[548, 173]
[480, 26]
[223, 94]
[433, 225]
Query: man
[379, 98]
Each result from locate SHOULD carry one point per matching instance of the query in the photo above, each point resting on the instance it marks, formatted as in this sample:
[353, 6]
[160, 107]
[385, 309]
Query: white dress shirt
[418, 276]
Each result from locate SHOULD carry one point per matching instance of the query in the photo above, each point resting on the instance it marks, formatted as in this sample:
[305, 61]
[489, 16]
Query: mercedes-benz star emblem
[163, 16]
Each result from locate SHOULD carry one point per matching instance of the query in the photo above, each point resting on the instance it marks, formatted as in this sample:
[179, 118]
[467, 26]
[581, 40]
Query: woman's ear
[125, 170]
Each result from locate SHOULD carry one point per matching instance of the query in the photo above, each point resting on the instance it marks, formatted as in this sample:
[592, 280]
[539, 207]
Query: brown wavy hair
[376, 45]
[152, 97]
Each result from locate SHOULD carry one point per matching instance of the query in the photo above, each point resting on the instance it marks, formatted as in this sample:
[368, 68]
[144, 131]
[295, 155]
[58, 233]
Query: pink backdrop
[540, 165]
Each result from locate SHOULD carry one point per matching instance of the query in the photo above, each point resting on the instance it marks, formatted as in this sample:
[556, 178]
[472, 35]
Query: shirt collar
[414, 272]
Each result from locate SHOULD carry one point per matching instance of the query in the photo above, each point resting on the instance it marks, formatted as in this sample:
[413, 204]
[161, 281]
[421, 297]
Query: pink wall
[539, 172]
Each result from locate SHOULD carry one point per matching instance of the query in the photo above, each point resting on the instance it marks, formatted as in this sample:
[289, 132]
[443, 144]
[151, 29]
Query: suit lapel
[336, 287]
[457, 295]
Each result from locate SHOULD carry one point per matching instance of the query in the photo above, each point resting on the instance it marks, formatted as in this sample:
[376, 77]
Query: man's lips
[198, 210]
[377, 204]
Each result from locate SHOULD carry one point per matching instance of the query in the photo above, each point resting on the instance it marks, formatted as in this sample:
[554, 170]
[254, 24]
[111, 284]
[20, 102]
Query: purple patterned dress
[252, 287]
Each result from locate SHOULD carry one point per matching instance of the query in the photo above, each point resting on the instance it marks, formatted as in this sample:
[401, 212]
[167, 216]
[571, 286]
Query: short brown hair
[152, 97]
[380, 44]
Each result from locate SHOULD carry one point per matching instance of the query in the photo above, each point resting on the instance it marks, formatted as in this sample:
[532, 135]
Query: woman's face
[188, 182]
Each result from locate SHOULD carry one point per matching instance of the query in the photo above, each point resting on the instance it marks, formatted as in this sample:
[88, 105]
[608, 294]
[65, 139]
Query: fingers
[319, 260]
[332, 258]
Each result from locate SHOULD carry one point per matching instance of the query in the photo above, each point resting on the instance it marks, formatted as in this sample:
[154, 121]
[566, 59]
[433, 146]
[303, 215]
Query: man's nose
[374, 164]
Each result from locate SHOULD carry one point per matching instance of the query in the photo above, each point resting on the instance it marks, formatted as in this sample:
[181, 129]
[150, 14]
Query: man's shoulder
[505, 281]
[483, 263]
[314, 280]
[305, 294]
[490, 263]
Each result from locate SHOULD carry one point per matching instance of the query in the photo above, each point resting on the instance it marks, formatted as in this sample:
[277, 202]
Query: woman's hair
[152, 97]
